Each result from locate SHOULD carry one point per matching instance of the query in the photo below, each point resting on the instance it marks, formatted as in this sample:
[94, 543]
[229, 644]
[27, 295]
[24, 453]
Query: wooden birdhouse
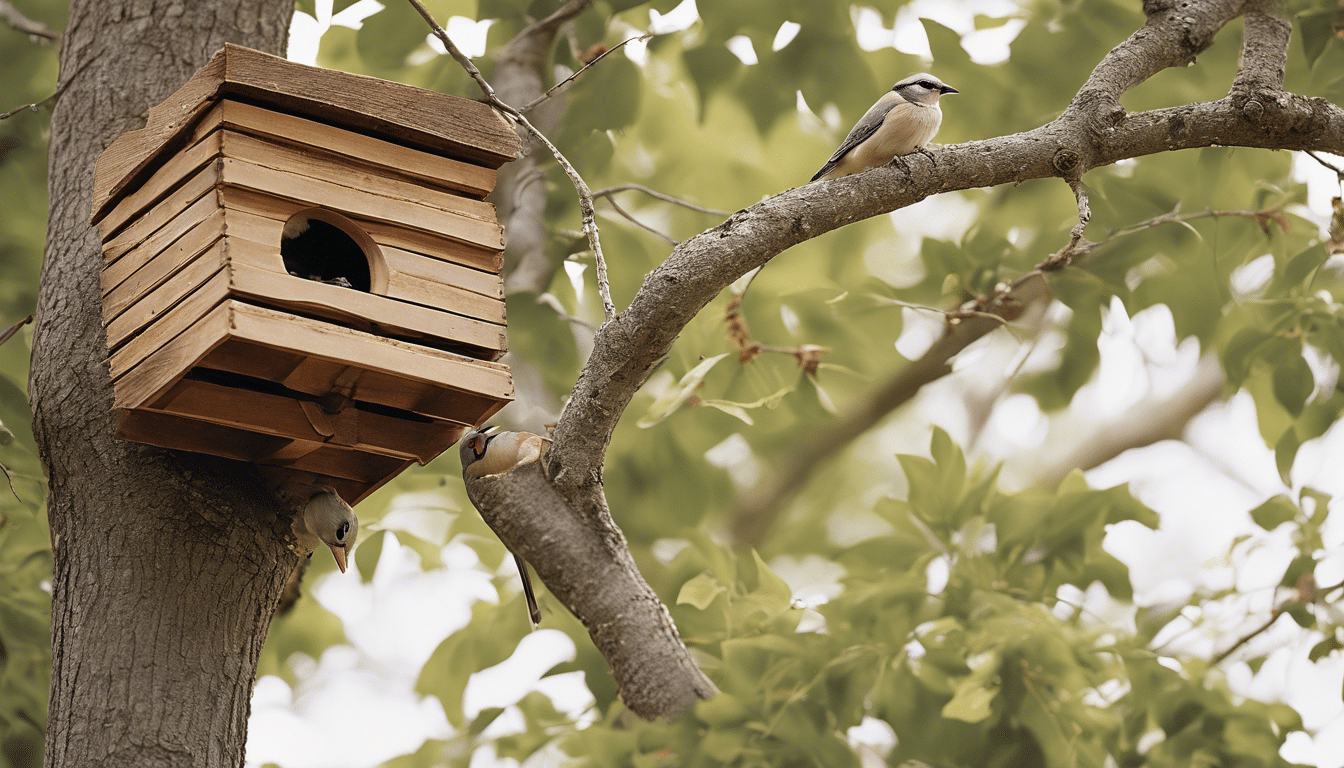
[300, 270]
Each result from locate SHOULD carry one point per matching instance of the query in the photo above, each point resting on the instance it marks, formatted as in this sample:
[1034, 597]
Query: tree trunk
[167, 566]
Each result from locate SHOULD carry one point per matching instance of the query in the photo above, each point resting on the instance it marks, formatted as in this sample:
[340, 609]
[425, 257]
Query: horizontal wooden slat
[155, 303]
[417, 118]
[167, 430]
[178, 167]
[191, 203]
[353, 202]
[159, 268]
[321, 166]
[151, 362]
[323, 340]
[355, 148]
[316, 376]
[359, 308]
[428, 244]
[272, 414]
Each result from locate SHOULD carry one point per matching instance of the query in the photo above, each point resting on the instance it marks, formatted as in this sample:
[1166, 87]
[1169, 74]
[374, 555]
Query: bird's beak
[949, 89]
[339, 554]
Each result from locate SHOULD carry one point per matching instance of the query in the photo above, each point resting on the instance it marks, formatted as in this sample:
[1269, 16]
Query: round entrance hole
[328, 248]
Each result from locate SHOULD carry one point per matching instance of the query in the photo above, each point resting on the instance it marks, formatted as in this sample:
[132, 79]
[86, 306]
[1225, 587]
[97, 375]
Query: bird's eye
[341, 531]
[927, 84]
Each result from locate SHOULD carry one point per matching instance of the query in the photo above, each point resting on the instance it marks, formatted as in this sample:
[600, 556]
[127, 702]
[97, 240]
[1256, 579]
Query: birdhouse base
[358, 411]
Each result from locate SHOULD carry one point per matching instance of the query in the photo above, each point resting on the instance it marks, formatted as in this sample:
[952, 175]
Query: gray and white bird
[490, 452]
[327, 519]
[902, 121]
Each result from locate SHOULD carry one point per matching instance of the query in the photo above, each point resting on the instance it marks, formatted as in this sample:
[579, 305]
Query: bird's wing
[862, 130]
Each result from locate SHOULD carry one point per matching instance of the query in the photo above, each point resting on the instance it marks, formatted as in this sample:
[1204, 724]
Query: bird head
[491, 451]
[328, 518]
[923, 88]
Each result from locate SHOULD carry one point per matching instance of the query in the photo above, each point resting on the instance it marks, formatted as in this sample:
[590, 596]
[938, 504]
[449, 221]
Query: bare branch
[1144, 424]
[628, 216]
[758, 507]
[1338, 171]
[20, 23]
[1264, 52]
[553, 89]
[609, 191]
[626, 620]
[34, 106]
[585, 195]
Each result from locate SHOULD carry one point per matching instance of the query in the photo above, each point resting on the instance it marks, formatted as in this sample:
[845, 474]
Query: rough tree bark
[167, 566]
[1094, 130]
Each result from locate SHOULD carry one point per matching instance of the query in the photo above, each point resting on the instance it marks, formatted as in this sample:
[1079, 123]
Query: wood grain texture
[349, 148]
[431, 244]
[435, 122]
[272, 414]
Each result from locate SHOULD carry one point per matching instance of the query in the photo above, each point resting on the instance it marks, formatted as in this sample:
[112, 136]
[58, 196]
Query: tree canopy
[876, 557]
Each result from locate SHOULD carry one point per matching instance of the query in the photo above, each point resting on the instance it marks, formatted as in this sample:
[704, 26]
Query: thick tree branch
[628, 623]
[699, 268]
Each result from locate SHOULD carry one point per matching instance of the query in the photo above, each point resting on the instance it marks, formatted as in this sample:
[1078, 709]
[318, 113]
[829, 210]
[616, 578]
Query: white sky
[356, 706]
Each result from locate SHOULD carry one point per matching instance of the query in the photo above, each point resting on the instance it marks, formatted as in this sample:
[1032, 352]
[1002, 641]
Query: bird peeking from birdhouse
[316, 250]
[327, 519]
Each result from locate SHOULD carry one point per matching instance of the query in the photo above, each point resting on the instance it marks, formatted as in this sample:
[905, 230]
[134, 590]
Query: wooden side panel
[153, 361]
[178, 167]
[180, 211]
[354, 148]
[157, 302]
[158, 269]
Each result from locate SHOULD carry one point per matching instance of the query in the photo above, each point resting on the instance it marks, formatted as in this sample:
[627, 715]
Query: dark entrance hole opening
[316, 250]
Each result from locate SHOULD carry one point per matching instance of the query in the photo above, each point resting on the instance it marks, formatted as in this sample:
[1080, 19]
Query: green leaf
[367, 555]
[1285, 452]
[1293, 383]
[1324, 648]
[700, 591]
[1274, 512]
[306, 6]
[1317, 29]
[677, 396]
[389, 36]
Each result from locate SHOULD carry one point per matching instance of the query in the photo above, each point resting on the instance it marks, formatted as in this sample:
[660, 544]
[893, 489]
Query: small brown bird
[489, 452]
[902, 121]
[327, 519]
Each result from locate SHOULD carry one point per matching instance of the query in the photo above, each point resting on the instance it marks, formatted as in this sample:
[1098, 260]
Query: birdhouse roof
[435, 122]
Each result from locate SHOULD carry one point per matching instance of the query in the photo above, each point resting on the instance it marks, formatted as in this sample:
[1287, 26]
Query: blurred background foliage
[944, 632]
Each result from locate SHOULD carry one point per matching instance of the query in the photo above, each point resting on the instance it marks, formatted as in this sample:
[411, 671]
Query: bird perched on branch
[902, 121]
[489, 452]
[327, 519]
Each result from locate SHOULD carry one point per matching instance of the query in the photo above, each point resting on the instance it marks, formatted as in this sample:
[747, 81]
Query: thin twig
[584, 193]
[1244, 639]
[609, 191]
[617, 207]
[34, 106]
[533, 103]
[1338, 171]
[10, 478]
[9, 332]
[20, 23]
